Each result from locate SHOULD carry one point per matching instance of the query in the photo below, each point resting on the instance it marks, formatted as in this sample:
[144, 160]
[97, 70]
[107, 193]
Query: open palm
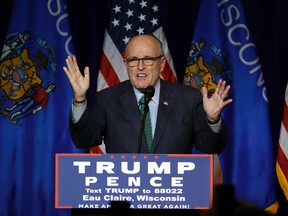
[216, 103]
[79, 82]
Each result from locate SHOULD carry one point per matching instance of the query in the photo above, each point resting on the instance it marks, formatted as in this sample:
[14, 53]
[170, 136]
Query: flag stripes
[282, 155]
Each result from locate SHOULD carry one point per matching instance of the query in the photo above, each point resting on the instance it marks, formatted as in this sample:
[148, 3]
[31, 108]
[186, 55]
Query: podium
[134, 184]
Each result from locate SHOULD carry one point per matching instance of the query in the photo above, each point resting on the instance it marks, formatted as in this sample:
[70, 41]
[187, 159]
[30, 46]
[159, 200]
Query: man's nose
[141, 64]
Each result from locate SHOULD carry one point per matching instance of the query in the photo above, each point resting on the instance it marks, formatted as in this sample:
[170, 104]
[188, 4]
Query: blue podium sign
[146, 181]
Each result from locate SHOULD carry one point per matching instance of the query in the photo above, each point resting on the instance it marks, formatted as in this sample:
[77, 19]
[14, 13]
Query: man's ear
[163, 62]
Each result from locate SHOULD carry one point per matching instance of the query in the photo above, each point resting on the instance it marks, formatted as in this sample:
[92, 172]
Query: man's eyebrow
[134, 57]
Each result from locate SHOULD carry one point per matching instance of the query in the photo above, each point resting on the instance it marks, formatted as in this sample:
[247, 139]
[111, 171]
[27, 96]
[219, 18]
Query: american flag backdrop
[127, 19]
[282, 156]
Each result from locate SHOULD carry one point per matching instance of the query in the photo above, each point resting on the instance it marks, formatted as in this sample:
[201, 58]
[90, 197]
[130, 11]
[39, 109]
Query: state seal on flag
[205, 66]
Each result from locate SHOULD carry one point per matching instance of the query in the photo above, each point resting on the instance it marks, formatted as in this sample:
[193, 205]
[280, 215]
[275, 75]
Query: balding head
[147, 40]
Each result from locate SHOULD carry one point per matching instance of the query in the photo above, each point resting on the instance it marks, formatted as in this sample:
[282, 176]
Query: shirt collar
[155, 98]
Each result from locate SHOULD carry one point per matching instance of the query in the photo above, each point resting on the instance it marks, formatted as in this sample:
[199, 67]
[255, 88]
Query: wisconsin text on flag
[222, 48]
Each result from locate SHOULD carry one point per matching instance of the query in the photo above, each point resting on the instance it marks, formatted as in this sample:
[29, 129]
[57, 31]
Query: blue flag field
[35, 98]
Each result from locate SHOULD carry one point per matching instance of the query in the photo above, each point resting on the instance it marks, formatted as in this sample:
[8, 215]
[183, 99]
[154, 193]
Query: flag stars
[154, 21]
[143, 4]
[117, 9]
[129, 13]
[155, 8]
[140, 30]
[131, 1]
[128, 26]
[115, 22]
[142, 17]
[126, 39]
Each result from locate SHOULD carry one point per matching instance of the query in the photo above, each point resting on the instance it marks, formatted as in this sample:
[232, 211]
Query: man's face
[141, 75]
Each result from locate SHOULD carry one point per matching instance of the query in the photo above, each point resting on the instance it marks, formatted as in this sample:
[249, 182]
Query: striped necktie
[147, 127]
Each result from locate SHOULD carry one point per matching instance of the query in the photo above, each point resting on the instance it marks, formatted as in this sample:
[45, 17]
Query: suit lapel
[166, 101]
[130, 105]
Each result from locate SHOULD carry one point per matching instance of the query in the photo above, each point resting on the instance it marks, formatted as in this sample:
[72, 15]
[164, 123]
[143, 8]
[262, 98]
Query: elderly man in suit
[181, 117]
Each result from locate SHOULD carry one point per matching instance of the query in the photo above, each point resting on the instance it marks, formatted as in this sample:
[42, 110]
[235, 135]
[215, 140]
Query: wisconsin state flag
[222, 48]
[35, 98]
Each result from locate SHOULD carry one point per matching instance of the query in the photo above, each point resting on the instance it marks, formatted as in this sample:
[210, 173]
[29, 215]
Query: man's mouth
[141, 75]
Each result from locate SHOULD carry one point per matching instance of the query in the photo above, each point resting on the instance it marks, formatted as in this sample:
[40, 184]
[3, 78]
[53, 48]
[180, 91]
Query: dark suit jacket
[115, 117]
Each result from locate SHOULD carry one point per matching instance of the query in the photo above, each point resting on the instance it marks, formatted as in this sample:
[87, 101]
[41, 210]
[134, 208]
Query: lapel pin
[165, 103]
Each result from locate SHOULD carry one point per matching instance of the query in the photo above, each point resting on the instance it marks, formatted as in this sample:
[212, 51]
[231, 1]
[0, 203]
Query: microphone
[148, 94]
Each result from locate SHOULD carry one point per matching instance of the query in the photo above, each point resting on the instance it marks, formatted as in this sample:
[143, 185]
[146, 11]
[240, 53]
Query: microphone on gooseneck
[148, 94]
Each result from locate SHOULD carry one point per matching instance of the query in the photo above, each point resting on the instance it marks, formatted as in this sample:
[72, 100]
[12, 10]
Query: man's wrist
[211, 122]
[78, 103]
